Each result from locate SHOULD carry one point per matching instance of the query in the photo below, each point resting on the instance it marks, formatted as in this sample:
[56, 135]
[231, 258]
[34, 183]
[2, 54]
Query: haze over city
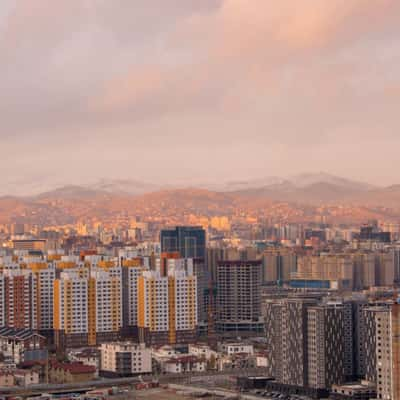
[198, 91]
[199, 199]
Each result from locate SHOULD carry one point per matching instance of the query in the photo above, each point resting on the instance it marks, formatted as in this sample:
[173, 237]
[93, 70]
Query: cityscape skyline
[199, 199]
[311, 308]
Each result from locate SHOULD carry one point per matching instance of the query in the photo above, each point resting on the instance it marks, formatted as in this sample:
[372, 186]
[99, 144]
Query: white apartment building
[2, 302]
[125, 359]
[108, 302]
[71, 307]
[88, 306]
[167, 305]
[153, 302]
[45, 277]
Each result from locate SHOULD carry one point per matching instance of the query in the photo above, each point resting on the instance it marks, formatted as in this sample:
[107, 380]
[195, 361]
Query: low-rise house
[119, 359]
[26, 377]
[203, 351]
[89, 356]
[168, 360]
[354, 390]
[165, 351]
[70, 372]
[6, 378]
[236, 362]
[261, 360]
[38, 366]
[183, 364]
[229, 348]
[20, 345]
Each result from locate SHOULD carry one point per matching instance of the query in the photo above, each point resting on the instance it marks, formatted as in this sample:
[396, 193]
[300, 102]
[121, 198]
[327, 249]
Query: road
[102, 383]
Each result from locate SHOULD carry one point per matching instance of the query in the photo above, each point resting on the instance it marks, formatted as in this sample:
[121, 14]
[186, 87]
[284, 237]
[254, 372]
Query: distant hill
[313, 189]
[71, 192]
[29, 188]
[306, 190]
[298, 195]
[72, 203]
[385, 197]
[296, 186]
[307, 179]
[315, 193]
[124, 186]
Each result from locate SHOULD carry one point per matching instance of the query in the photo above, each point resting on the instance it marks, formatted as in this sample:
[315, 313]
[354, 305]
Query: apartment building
[310, 341]
[20, 299]
[388, 353]
[44, 274]
[105, 305]
[131, 270]
[278, 265]
[239, 297]
[384, 268]
[167, 305]
[333, 271]
[364, 270]
[371, 317]
[87, 307]
[123, 359]
[2, 301]
[71, 308]
[291, 352]
[153, 308]
[325, 346]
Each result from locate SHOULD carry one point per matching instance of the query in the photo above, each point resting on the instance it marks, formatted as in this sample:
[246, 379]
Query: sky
[198, 90]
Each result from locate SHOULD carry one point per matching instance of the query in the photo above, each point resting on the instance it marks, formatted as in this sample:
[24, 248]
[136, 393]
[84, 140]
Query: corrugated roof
[19, 334]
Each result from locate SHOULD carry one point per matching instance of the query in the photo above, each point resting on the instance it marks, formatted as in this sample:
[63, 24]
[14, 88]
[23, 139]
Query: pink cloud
[265, 75]
[242, 48]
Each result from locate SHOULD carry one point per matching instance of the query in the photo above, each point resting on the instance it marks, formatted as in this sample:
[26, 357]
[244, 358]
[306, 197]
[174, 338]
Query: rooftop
[74, 367]
[19, 334]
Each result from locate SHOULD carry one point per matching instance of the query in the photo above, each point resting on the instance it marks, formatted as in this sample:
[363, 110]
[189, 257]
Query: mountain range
[296, 198]
[307, 189]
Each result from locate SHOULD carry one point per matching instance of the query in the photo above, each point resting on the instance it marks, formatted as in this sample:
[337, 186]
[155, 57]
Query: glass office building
[189, 241]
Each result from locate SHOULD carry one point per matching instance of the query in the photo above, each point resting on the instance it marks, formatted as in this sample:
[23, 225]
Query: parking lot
[276, 395]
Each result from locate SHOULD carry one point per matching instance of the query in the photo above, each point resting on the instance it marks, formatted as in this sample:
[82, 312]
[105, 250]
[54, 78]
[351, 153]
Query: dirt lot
[152, 394]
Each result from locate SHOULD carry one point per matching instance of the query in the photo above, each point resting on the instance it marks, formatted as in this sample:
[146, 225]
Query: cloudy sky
[198, 90]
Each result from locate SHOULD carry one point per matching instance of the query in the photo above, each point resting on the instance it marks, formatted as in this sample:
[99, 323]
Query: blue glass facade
[189, 241]
[302, 284]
